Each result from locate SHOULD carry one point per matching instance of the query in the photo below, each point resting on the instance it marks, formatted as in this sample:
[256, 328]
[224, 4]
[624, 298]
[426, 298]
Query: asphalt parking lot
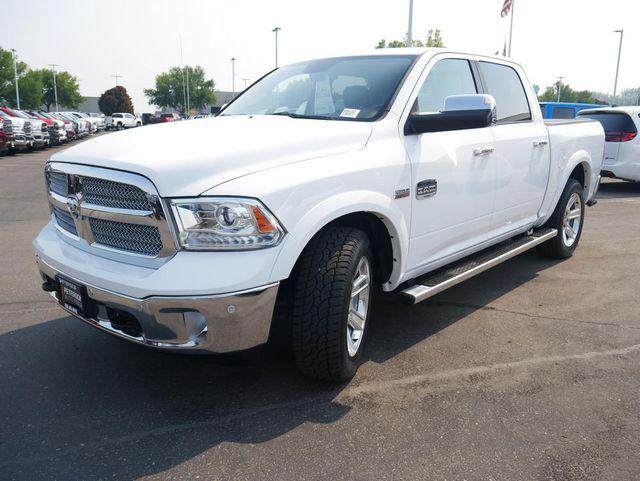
[530, 371]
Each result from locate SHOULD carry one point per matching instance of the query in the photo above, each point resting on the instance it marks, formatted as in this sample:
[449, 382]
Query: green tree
[434, 39]
[567, 94]
[68, 90]
[169, 90]
[31, 90]
[7, 84]
[115, 100]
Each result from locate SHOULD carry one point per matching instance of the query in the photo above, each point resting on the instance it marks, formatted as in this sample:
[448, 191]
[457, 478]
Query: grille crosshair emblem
[73, 204]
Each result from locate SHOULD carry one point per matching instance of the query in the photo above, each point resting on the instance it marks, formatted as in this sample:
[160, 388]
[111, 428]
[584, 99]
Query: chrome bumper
[201, 324]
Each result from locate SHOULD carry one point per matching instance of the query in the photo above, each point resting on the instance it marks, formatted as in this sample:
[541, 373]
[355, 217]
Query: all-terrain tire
[321, 300]
[560, 247]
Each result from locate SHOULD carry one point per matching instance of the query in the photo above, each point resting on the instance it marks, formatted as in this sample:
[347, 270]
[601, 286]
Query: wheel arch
[385, 226]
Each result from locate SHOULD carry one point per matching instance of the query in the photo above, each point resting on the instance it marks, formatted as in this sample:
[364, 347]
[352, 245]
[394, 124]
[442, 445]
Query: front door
[453, 172]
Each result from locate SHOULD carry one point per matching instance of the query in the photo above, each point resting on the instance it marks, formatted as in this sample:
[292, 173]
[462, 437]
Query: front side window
[345, 88]
[504, 83]
[117, 116]
[447, 77]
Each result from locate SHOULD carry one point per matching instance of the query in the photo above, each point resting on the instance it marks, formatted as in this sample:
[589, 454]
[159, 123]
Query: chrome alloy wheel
[571, 220]
[358, 306]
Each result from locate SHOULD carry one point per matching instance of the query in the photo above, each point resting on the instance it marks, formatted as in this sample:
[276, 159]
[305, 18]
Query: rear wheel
[567, 219]
[331, 303]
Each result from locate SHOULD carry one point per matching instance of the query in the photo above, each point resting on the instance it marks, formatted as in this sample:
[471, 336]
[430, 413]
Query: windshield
[17, 113]
[345, 88]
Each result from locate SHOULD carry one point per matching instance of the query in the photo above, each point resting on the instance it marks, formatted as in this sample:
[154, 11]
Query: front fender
[339, 205]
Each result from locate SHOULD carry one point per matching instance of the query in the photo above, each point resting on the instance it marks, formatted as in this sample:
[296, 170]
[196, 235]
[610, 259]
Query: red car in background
[163, 118]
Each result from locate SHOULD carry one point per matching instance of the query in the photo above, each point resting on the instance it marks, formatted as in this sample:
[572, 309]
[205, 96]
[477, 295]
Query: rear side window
[563, 113]
[618, 126]
[613, 121]
[447, 77]
[504, 83]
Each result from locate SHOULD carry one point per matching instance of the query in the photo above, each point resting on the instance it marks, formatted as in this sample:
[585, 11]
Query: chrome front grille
[58, 183]
[111, 213]
[114, 194]
[64, 220]
[141, 239]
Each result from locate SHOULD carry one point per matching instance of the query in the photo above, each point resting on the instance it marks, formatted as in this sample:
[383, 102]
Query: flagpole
[513, 2]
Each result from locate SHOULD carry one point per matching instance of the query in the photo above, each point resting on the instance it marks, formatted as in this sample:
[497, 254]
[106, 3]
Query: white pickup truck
[405, 170]
[122, 120]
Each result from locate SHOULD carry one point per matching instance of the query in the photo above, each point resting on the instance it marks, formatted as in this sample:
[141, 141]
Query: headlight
[225, 224]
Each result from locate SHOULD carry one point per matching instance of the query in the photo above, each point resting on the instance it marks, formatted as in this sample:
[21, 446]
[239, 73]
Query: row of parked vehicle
[34, 129]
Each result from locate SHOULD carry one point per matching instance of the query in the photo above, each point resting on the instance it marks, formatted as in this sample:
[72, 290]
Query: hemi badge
[399, 194]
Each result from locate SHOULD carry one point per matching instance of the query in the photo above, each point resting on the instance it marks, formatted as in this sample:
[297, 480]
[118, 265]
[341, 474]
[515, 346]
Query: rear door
[456, 212]
[522, 152]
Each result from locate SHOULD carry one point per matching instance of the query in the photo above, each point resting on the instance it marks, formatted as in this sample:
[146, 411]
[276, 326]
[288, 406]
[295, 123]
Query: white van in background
[622, 146]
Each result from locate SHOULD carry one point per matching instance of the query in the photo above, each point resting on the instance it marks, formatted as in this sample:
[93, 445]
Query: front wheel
[568, 219]
[331, 303]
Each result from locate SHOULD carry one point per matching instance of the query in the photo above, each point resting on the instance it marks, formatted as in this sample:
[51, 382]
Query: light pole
[276, 30]
[245, 80]
[615, 84]
[117, 76]
[55, 86]
[560, 79]
[410, 29]
[233, 77]
[15, 75]
[185, 85]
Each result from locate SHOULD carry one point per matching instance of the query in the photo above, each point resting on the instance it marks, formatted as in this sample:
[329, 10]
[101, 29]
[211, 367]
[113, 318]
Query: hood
[189, 157]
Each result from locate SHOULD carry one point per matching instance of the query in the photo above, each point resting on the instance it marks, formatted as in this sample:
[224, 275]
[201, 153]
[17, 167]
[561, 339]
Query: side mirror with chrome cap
[461, 112]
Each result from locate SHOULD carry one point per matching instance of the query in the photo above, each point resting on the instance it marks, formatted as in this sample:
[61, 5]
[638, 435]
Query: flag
[506, 7]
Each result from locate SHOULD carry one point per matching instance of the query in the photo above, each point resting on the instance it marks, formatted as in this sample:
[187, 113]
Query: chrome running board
[442, 279]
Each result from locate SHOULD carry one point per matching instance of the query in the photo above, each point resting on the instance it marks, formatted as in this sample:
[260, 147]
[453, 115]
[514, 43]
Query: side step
[448, 276]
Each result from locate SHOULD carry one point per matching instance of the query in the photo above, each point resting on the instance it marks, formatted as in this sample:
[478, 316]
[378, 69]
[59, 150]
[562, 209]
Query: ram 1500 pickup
[405, 170]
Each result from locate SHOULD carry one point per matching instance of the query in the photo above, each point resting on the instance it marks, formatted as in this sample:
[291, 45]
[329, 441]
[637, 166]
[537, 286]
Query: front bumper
[196, 324]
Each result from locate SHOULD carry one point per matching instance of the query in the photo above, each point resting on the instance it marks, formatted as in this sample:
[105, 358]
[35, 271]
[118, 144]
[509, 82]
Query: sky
[94, 39]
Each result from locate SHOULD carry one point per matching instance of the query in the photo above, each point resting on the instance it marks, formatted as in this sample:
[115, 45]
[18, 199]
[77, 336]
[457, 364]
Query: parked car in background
[71, 126]
[57, 128]
[146, 118]
[18, 132]
[4, 142]
[622, 143]
[164, 118]
[90, 123]
[39, 130]
[101, 121]
[404, 173]
[122, 120]
[564, 110]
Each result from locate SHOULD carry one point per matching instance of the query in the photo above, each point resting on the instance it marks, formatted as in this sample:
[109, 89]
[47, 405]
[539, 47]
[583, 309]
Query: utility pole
[513, 4]
[560, 79]
[15, 76]
[615, 84]
[410, 29]
[276, 30]
[55, 86]
[117, 76]
[184, 84]
[233, 78]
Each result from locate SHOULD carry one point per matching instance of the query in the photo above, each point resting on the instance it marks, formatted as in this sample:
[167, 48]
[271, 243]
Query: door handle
[540, 143]
[483, 150]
